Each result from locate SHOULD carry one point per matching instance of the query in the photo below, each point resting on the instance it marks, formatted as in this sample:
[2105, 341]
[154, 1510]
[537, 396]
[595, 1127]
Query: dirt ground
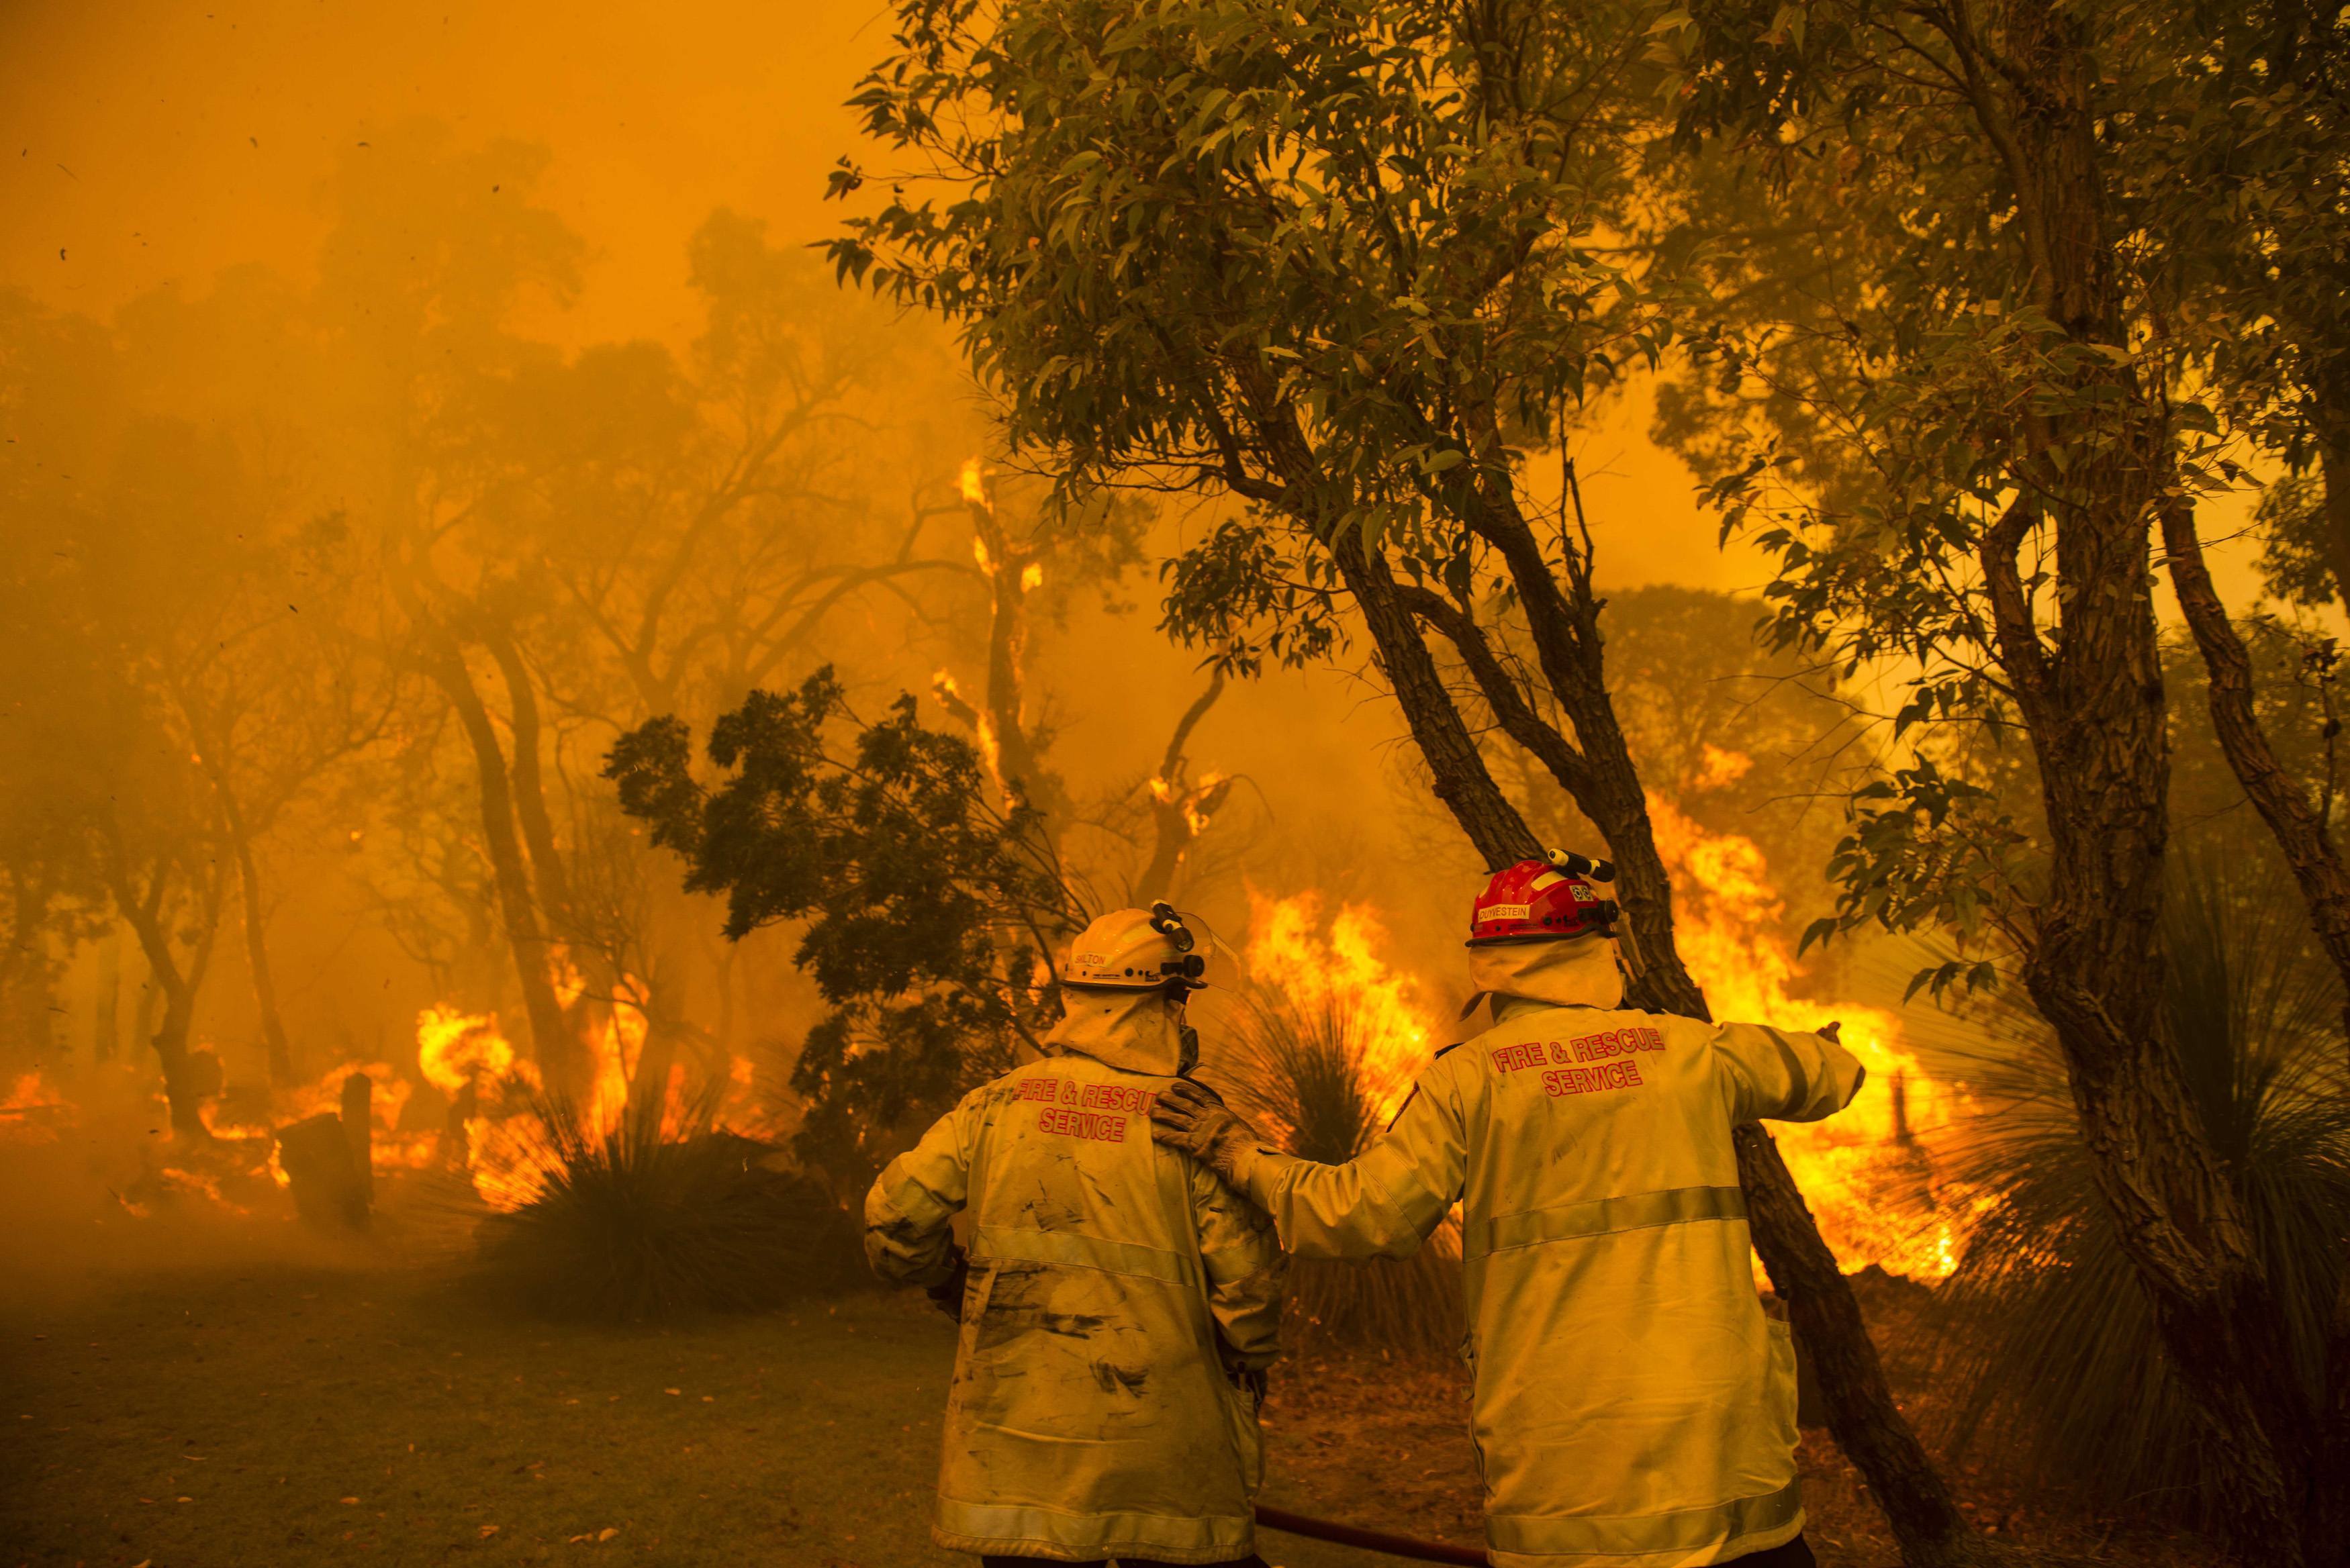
[283, 1412]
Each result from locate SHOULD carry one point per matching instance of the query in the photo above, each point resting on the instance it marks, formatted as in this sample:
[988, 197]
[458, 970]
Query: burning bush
[633, 1222]
[1309, 1073]
[2049, 1330]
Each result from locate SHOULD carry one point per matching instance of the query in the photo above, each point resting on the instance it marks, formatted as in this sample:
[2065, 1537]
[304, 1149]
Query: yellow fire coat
[1633, 1405]
[1113, 1284]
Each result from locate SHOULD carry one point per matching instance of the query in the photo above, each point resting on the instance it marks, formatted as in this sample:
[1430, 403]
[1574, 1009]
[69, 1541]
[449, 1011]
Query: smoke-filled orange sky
[156, 143]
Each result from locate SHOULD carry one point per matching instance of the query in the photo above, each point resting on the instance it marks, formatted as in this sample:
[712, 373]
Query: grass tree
[2050, 1343]
[1344, 265]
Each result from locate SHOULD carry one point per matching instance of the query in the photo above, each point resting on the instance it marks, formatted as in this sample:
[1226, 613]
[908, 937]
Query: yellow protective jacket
[1117, 1289]
[1633, 1405]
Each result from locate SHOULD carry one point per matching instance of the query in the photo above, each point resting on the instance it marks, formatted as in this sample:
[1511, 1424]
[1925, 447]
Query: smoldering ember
[1174, 781]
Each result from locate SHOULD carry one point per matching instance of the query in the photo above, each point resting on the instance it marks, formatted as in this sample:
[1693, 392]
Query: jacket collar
[1567, 971]
[1139, 1030]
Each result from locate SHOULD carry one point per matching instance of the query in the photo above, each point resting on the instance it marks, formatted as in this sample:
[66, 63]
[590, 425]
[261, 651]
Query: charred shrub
[638, 1224]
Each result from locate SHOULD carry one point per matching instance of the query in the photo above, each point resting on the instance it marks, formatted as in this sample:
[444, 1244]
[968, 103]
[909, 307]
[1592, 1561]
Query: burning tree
[1348, 266]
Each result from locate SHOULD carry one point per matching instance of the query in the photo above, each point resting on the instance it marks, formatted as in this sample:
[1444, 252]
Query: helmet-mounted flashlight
[1574, 864]
[1168, 924]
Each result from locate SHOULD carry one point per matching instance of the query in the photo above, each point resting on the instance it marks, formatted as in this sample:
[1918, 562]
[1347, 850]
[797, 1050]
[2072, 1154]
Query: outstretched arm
[1383, 1203]
[1785, 1074]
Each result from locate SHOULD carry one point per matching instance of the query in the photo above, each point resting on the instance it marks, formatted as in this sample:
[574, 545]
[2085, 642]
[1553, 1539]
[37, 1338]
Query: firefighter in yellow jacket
[1634, 1407]
[1121, 1303]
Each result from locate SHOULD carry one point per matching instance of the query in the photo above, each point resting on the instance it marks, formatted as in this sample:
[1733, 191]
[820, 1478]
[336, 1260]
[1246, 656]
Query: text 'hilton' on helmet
[1136, 950]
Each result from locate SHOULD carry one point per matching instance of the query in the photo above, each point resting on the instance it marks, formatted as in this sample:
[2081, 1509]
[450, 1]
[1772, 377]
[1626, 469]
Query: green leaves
[1306, 255]
[1925, 850]
[928, 908]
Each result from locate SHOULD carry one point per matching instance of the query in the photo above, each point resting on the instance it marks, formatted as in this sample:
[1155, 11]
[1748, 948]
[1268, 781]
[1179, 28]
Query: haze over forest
[240, 198]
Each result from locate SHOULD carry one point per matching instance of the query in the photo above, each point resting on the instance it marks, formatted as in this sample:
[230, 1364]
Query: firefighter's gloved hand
[1187, 1117]
[947, 1295]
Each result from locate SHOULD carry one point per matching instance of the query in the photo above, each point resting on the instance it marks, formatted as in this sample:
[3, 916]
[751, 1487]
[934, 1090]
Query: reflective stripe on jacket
[1633, 1407]
[1112, 1283]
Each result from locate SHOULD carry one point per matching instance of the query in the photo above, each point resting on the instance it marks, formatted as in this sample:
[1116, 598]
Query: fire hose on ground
[1403, 1546]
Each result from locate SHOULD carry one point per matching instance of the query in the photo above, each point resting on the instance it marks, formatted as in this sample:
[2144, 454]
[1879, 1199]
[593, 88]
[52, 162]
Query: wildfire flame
[33, 1111]
[1866, 1172]
[1341, 968]
[454, 1049]
[972, 481]
[1191, 799]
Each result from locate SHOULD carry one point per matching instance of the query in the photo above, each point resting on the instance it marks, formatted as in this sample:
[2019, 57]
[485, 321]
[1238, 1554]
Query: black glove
[947, 1295]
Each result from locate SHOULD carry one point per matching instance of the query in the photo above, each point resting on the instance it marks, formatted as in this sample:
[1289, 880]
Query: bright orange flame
[1342, 968]
[453, 1048]
[1721, 769]
[1866, 1172]
[509, 1156]
[33, 1111]
[972, 481]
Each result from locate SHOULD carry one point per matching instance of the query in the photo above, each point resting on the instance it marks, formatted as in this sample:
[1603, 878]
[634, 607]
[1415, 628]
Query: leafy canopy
[932, 909]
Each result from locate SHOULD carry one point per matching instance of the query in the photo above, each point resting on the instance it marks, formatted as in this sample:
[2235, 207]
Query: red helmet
[1538, 899]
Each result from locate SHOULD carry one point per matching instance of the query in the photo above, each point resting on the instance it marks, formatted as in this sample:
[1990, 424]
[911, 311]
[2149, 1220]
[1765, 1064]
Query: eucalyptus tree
[1961, 430]
[1349, 264]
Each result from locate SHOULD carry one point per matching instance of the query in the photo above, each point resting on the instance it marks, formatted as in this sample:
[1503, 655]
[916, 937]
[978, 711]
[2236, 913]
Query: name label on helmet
[1505, 912]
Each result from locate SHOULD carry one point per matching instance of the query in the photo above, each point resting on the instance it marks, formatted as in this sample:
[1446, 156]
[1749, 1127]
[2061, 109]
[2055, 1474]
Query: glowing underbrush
[638, 1223]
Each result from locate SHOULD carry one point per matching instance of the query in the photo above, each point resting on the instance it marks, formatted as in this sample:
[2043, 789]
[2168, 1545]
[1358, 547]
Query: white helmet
[1136, 950]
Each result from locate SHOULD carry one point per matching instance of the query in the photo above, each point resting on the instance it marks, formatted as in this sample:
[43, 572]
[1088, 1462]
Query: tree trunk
[146, 916]
[1861, 1412]
[1457, 769]
[1597, 771]
[1174, 805]
[1868, 1425]
[2092, 701]
[257, 938]
[142, 1019]
[170, 1047]
[2333, 472]
[105, 1029]
[558, 1053]
[359, 1131]
[1866, 1422]
[553, 880]
[2308, 849]
[1001, 717]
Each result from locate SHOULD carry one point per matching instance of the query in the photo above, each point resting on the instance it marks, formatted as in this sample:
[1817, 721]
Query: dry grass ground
[275, 1413]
